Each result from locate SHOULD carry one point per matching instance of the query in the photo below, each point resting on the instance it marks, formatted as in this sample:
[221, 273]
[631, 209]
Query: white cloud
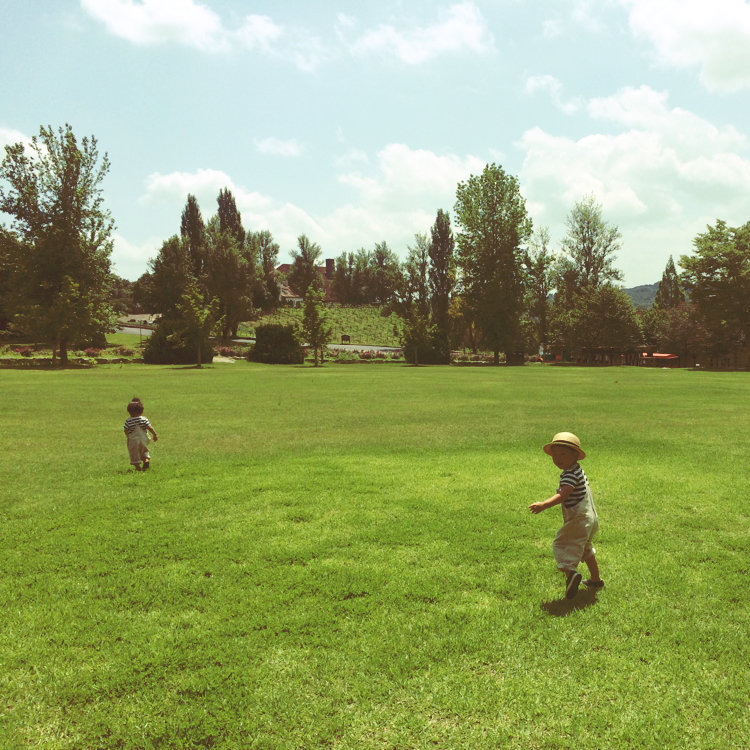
[130, 260]
[192, 24]
[161, 21]
[554, 88]
[714, 36]
[666, 167]
[397, 196]
[460, 28]
[259, 32]
[9, 137]
[277, 147]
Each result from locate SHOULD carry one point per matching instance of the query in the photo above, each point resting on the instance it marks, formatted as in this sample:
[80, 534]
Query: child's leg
[593, 567]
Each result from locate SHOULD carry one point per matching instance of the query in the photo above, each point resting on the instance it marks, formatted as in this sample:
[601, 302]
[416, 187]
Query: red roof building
[292, 297]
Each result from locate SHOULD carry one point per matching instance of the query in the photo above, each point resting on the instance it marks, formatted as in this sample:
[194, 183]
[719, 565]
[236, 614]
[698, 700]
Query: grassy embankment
[343, 558]
[366, 325]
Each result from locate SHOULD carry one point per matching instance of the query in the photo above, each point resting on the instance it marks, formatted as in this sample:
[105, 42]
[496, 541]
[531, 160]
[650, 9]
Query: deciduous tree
[491, 213]
[62, 237]
[538, 265]
[717, 279]
[591, 243]
[315, 329]
[304, 272]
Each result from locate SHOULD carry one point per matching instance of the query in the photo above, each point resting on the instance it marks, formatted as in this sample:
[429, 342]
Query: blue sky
[353, 123]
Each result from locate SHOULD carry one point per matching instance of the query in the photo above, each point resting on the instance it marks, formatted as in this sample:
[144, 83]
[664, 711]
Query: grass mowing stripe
[342, 557]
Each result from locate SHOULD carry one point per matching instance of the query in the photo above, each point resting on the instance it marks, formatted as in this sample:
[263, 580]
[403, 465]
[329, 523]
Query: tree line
[493, 283]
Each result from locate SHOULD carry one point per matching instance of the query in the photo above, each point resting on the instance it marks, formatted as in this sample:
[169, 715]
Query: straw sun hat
[565, 440]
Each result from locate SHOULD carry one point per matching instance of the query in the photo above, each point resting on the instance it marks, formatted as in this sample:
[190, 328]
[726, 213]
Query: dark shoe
[574, 581]
[593, 584]
[146, 465]
[137, 467]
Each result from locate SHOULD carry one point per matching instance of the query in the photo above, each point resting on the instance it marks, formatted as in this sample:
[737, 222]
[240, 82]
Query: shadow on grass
[562, 607]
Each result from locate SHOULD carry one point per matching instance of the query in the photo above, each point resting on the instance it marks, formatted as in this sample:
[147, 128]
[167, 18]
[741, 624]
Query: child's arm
[556, 499]
[153, 432]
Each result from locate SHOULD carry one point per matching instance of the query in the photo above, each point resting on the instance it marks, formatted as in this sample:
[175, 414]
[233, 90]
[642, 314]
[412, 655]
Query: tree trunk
[496, 357]
[62, 346]
[198, 352]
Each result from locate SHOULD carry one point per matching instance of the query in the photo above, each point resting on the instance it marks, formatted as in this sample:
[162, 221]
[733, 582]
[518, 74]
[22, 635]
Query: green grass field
[343, 557]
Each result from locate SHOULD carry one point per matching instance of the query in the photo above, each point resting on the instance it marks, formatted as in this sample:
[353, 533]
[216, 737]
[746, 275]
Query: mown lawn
[342, 557]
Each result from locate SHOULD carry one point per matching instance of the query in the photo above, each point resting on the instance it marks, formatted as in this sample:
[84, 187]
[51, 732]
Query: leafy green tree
[352, 278]
[198, 317]
[717, 279]
[606, 318]
[539, 267]
[266, 254]
[9, 250]
[424, 342]
[681, 330]
[229, 277]
[171, 272]
[591, 243]
[669, 293]
[230, 219]
[442, 276]
[417, 339]
[384, 274]
[304, 272]
[61, 238]
[491, 213]
[315, 330]
[193, 233]
[416, 274]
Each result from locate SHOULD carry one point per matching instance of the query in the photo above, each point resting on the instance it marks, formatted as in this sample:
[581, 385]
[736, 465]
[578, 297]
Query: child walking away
[137, 428]
[573, 541]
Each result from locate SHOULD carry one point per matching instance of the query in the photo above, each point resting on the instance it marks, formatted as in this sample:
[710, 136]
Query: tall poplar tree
[442, 278]
[230, 219]
[304, 273]
[669, 293]
[193, 232]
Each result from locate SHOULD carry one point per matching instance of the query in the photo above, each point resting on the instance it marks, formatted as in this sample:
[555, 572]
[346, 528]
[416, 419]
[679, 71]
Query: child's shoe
[137, 467]
[146, 464]
[573, 582]
[593, 584]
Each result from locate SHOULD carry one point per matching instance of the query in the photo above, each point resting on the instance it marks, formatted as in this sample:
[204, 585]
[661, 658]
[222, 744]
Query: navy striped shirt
[574, 477]
[134, 423]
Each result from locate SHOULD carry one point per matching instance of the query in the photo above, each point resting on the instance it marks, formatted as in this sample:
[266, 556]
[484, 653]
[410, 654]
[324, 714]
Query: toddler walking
[137, 428]
[573, 541]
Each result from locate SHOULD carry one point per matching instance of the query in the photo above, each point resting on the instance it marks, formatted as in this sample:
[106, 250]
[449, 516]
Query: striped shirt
[574, 477]
[136, 423]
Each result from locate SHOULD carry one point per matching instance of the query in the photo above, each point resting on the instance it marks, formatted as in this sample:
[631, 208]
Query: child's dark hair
[135, 407]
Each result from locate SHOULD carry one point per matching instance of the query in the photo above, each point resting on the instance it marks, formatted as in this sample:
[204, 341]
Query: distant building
[293, 297]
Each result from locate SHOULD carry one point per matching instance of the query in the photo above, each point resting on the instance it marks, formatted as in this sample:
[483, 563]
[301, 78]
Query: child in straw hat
[573, 541]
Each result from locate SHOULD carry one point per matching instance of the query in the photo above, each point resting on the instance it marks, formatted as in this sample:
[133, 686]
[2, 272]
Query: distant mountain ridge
[642, 296]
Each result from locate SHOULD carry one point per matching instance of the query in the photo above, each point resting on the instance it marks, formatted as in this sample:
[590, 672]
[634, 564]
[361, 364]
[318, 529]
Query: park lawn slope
[365, 325]
[343, 557]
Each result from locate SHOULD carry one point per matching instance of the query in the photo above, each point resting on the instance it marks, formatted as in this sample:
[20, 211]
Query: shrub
[170, 344]
[24, 351]
[277, 345]
[93, 351]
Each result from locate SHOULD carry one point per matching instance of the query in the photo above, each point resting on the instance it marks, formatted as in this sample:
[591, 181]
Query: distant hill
[642, 296]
